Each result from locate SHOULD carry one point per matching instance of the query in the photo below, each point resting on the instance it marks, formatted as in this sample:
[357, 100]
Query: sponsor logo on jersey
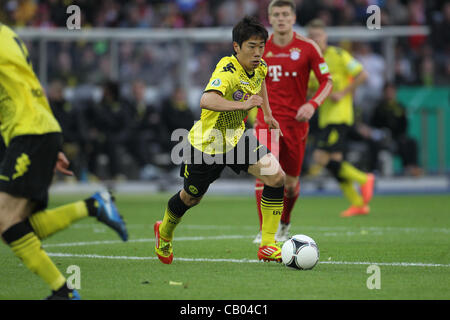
[237, 95]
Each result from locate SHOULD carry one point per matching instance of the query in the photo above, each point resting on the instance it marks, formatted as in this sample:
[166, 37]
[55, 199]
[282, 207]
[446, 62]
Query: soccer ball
[300, 252]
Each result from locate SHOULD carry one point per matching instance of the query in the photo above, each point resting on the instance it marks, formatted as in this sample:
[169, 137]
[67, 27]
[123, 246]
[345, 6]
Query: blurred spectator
[105, 121]
[69, 119]
[404, 70]
[175, 112]
[387, 130]
[371, 91]
[143, 135]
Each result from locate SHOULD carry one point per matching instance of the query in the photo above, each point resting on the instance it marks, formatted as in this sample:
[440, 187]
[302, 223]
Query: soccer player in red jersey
[290, 58]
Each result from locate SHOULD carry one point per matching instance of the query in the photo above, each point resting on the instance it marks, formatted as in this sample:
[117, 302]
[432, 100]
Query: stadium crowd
[120, 120]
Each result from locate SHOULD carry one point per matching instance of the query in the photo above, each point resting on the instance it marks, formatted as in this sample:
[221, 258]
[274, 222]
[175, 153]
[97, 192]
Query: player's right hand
[305, 112]
[253, 101]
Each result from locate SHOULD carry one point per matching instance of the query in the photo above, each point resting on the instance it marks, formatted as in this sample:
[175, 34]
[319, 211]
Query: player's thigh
[13, 210]
[292, 150]
[268, 170]
[197, 179]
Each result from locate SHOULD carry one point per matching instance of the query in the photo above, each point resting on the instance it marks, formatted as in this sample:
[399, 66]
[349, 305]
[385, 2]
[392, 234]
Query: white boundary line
[255, 228]
[88, 243]
[393, 264]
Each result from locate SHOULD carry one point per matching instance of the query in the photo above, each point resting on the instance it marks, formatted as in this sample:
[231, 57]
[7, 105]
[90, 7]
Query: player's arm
[353, 69]
[359, 79]
[265, 107]
[214, 101]
[320, 68]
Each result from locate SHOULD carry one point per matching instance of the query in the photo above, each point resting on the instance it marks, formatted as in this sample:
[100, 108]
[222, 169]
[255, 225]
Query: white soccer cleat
[258, 238]
[282, 232]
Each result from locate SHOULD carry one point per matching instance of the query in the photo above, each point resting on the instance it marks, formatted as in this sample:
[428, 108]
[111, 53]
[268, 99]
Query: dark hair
[249, 27]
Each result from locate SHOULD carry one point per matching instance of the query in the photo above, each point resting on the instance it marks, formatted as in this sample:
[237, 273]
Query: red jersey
[289, 68]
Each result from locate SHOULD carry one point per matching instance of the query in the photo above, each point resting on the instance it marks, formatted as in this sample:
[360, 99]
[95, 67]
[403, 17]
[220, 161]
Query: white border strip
[87, 243]
[393, 264]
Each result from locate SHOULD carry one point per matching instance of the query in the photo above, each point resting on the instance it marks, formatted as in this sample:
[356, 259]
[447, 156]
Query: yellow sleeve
[222, 78]
[352, 65]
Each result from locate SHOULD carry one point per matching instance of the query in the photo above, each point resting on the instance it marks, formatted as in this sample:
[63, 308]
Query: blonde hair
[282, 3]
[316, 24]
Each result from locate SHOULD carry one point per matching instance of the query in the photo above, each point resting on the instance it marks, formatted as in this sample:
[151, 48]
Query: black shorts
[199, 170]
[28, 166]
[333, 138]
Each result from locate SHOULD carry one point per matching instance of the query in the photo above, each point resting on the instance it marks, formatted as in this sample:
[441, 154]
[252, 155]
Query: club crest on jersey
[295, 53]
[216, 83]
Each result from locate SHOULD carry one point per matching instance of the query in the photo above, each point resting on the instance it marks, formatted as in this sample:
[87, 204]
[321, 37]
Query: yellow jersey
[24, 108]
[343, 68]
[219, 132]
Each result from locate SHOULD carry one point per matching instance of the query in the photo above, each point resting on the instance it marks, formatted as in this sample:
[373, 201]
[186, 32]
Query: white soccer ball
[300, 252]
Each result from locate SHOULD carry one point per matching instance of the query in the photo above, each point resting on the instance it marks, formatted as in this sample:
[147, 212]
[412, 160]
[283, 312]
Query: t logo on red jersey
[275, 73]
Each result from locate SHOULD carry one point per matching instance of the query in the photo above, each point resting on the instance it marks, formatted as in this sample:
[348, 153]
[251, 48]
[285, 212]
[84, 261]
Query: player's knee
[321, 158]
[277, 180]
[292, 188]
[189, 200]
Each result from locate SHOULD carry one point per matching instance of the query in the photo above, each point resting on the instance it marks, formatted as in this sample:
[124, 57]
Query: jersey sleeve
[222, 78]
[322, 73]
[352, 65]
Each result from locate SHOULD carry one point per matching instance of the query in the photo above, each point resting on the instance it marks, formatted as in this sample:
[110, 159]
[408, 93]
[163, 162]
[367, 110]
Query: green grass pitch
[408, 237]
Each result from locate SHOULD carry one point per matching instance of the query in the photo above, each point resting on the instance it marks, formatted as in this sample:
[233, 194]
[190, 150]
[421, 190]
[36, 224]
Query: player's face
[282, 19]
[250, 53]
[319, 36]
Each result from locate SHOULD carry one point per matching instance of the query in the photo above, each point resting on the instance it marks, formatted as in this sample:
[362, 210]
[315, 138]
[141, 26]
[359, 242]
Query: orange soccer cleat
[271, 252]
[355, 211]
[163, 247]
[367, 188]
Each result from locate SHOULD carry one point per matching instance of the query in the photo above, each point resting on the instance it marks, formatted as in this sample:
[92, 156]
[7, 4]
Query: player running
[335, 119]
[236, 86]
[33, 139]
[290, 58]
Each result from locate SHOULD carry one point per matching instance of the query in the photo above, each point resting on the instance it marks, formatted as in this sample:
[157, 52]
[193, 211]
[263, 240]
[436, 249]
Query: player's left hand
[272, 123]
[305, 112]
[62, 164]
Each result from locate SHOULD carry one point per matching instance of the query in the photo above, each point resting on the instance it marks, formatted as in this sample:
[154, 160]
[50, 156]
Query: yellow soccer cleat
[163, 247]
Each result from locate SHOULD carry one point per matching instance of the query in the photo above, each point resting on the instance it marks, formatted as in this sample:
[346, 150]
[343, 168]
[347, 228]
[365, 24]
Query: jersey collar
[248, 74]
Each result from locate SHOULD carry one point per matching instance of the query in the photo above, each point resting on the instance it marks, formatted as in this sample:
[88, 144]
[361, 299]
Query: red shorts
[290, 148]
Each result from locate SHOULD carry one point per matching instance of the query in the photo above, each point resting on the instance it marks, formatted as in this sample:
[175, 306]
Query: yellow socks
[26, 245]
[47, 222]
[349, 172]
[271, 208]
[172, 216]
[168, 225]
[349, 191]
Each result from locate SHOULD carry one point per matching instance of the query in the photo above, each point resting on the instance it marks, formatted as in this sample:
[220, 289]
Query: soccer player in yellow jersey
[335, 120]
[219, 139]
[33, 142]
